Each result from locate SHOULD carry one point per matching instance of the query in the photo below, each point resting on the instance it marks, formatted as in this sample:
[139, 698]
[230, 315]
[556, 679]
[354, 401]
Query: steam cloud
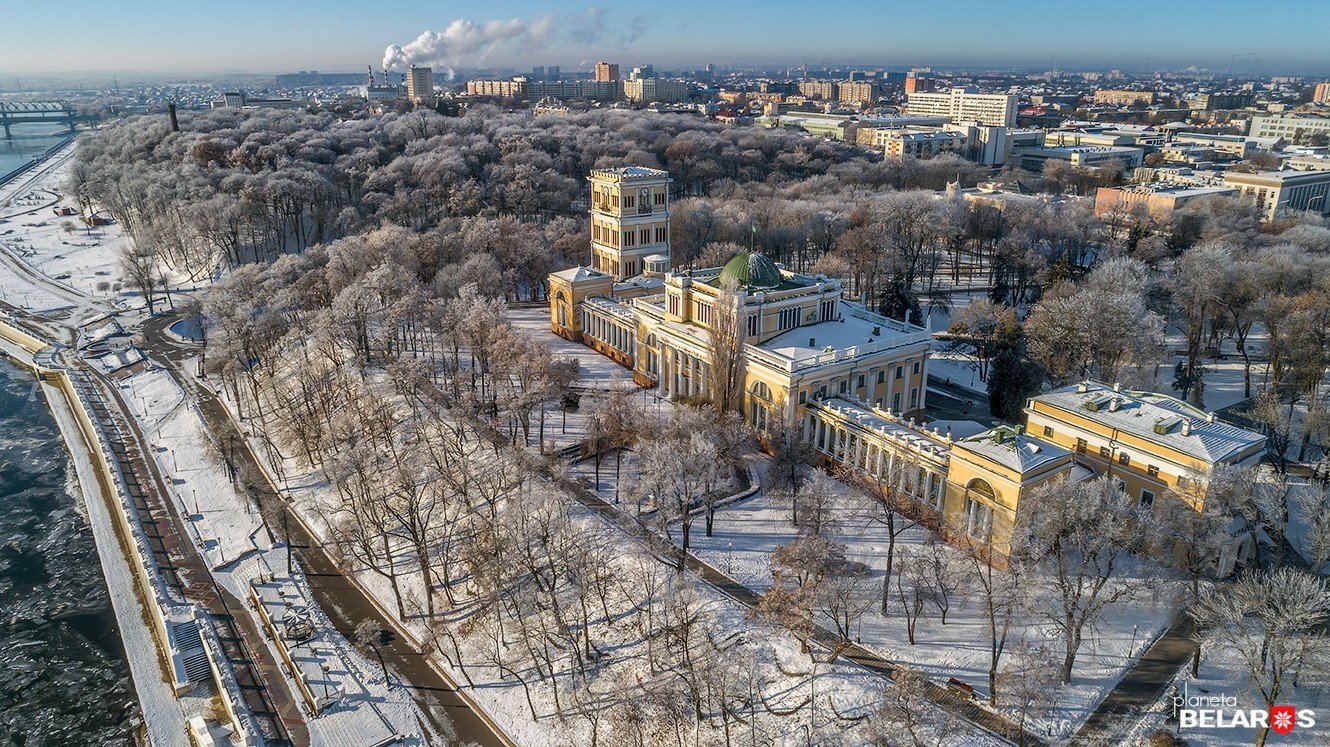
[465, 39]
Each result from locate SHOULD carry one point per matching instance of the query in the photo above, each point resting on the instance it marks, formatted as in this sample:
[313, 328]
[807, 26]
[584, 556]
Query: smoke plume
[474, 41]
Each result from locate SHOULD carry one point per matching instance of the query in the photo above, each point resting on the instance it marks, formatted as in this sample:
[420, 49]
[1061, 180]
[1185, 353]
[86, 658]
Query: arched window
[561, 303]
[979, 500]
[760, 405]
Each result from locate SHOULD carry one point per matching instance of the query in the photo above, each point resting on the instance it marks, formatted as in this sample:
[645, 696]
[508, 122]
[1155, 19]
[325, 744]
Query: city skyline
[152, 36]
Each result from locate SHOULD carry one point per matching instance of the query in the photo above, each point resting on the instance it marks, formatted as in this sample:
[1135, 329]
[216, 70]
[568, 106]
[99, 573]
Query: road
[345, 603]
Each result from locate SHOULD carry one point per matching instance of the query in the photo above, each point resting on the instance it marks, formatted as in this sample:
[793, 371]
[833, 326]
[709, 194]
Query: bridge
[38, 112]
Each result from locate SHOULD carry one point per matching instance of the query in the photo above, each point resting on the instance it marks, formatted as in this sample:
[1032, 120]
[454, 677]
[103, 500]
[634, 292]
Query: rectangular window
[1124, 459]
[900, 371]
[916, 367]
[660, 236]
[1147, 498]
[861, 381]
[822, 392]
[659, 198]
[629, 201]
[788, 318]
[1048, 431]
[1183, 482]
[1152, 470]
[803, 396]
[1105, 453]
[881, 376]
[914, 398]
[844, 385]
[896, 402]
[754, 324]
[1080, 446]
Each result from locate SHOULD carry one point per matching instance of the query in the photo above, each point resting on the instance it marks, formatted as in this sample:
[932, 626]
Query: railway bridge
[38, 112]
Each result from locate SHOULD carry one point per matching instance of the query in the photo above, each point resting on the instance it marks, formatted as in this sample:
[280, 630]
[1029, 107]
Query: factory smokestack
[175, 122]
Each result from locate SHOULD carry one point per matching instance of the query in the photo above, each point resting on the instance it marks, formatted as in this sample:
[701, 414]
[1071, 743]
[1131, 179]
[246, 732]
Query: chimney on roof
[1209, 417]
[1083, 387]
[1117, 386]
[1186, 426]
[1113, 405]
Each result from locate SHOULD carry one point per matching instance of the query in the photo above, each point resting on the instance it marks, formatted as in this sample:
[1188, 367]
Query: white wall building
[966, 105]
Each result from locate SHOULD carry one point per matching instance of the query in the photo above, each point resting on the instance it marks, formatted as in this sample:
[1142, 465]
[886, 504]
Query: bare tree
[1272, 621]
[726, 373]
[1078, 538]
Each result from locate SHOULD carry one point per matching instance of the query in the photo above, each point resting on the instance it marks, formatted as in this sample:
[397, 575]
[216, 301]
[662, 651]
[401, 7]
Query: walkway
[667, 552]
[345, 603]
[1141, 687]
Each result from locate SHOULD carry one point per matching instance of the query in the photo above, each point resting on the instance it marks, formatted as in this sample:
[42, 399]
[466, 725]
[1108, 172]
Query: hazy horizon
[155, 37]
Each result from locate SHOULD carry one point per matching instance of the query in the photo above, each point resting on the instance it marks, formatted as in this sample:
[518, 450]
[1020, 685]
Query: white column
[923, 383]
[660, 371]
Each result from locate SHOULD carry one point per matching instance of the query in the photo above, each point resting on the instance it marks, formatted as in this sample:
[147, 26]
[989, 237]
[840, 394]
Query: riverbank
[37, 160]
[163, 718]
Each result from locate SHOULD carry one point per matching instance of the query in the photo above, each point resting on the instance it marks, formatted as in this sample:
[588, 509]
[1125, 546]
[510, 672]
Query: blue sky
[344, 35]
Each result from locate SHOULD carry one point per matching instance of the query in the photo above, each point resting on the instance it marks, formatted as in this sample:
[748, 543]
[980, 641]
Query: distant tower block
[630, 219]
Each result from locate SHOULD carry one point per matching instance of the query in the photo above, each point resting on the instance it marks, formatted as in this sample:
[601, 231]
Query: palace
[854, 383]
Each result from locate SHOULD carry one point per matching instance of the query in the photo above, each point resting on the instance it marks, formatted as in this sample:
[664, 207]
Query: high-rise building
[606, 72]
[915, 83]
[420, 85]
[818, 89]
[863, 92]
[1322, 94]
[966, 105]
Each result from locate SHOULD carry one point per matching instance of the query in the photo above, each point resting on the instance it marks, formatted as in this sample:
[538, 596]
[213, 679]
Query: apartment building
[1123, 97]
[966, 104]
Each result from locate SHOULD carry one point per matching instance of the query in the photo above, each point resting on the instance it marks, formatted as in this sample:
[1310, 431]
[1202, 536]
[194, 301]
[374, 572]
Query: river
[29, 140]
[63, 674]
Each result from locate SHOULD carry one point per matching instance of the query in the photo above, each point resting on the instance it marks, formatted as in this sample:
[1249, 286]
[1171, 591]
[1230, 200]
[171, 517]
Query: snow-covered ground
[232, 536]
[746, 534]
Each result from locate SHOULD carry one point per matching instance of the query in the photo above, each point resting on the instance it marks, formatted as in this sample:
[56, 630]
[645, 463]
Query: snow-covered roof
[1155, 417]
[857, 332]
[573, 274]
[1014, 450]
[886, 423]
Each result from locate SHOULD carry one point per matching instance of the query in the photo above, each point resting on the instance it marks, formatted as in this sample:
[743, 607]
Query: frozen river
[63, 675]
[29, 140]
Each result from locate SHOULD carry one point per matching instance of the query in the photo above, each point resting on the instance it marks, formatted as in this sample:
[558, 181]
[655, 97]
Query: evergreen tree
[1012, 379]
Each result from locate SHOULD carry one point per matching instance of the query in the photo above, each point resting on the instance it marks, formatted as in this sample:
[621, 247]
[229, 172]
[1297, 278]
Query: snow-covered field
[747, 533]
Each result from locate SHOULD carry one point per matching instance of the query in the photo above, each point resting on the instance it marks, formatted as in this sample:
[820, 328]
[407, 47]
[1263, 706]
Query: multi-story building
[1322, 93]
[420, 85]
[1086, 156]
[1123, 97]
[1234, 145]
[818, 89]
[1294, 128]
[1152, 443]
[918, 84]
[853, 384]
[1159, 200]
[919, 144]
[656, 89]
[1214, 101]
[1277, 191]
[508, 89]
[607, 72]
[966, 105]
[863, 92]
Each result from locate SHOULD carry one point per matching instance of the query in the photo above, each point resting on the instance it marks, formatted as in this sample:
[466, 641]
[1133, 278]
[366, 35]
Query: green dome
[750, 270]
